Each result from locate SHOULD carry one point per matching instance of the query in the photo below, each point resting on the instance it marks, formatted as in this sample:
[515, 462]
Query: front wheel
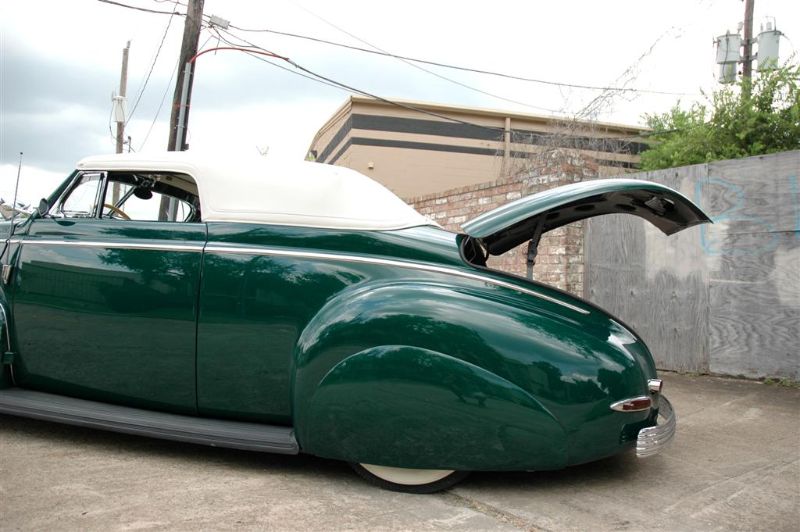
[409, 480]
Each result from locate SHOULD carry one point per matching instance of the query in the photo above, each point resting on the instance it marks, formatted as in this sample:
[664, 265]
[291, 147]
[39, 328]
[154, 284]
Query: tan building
[415, 154]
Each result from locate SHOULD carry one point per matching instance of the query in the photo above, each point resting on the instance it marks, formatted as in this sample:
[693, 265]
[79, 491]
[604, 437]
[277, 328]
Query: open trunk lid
[525, 219]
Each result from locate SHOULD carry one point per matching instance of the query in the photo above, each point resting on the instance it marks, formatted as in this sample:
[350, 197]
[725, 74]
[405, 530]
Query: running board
[205, 431]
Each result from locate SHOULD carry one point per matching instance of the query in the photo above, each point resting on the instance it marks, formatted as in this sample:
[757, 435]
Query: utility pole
[728, 47]
[120, 112]
[191, 36]
[747, 48]
[123, 87]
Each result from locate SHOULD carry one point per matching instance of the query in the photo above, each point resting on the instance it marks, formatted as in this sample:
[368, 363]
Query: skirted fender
[413, 374]
[412, 407]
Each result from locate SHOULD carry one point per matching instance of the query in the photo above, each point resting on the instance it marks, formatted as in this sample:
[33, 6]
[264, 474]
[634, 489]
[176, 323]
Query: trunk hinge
[533, 247]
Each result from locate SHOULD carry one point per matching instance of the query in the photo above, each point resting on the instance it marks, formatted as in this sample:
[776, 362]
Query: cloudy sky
[60, 64]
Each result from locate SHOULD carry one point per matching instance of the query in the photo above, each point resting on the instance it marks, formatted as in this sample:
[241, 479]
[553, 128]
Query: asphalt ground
[734, 465]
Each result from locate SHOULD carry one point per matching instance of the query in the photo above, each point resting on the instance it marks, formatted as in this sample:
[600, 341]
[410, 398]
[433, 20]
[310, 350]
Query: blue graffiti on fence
[714, 242]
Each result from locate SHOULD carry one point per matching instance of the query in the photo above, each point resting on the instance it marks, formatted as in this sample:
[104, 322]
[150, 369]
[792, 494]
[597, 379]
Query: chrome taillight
[635, 404]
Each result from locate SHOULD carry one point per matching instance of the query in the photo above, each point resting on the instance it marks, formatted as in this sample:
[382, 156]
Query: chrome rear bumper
[653, 439]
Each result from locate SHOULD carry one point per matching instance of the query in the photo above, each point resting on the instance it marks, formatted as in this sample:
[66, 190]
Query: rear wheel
[409, 480]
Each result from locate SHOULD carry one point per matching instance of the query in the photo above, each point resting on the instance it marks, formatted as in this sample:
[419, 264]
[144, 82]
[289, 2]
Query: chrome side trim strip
[197, 248]
[276, 252]
[387, 262]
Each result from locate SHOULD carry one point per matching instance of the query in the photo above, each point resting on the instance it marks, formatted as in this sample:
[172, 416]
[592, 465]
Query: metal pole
[181, 126]
[123, 87]
[191, 36]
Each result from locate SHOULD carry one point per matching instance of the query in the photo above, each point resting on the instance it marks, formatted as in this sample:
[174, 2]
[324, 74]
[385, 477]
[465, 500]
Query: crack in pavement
[490, 511]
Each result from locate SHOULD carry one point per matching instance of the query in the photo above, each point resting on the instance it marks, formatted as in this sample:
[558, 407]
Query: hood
[506, 227]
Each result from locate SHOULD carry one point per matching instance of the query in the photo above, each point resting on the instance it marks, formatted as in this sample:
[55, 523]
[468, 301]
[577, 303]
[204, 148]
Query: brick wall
[560, 260]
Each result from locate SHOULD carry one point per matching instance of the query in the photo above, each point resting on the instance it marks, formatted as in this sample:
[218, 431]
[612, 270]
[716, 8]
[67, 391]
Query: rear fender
[411, 407]
[396, 374]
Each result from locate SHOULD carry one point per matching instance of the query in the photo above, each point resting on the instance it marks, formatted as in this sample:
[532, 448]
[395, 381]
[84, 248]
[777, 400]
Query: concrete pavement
[735, 465]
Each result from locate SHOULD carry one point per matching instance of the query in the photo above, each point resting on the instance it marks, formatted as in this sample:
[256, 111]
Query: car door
[105, 292]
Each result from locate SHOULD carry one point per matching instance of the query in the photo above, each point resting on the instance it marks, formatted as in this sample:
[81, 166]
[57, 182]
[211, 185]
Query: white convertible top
[256, 189]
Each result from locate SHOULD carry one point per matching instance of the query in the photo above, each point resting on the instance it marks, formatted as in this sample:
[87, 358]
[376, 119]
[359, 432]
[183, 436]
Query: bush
[753, 117]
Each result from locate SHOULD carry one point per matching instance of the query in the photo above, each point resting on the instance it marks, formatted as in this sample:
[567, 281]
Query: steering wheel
[116, 210]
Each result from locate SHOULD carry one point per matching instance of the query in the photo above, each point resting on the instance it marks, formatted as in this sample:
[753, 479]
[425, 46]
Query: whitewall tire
[409, 480]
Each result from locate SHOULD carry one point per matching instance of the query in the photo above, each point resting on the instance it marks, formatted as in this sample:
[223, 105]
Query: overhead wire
[137, 8]
[160, 105]
[260, 58]
[337, 84]
[458, 67]
[164, 97]
[369, 94]
[428, 71]
[420, 60]
[152, 66]
[319, 78]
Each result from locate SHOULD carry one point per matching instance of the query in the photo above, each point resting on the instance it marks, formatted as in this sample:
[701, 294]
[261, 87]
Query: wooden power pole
[191, 36]
[123, 87]
[120, 112]
[747, 48]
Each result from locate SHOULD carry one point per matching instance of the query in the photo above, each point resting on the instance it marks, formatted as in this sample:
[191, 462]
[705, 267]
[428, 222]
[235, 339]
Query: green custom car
[301, 307]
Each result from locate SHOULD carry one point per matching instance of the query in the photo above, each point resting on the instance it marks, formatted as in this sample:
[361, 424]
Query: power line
[319, 78]
[427, 71]
[160, 105]
[337, 84]
[152, 66]
[418, 60]
[137, 8]
[461, 84]
[260, 58]
[365, 93]
[457, 67]
[164, 97]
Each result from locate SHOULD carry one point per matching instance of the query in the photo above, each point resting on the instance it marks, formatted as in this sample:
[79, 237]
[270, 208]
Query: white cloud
[34, 183]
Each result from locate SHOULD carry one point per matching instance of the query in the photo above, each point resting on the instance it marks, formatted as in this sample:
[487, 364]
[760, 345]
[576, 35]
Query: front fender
[411, 407]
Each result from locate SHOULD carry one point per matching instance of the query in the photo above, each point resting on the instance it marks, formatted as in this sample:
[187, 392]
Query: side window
[145, 197]
[80, 200]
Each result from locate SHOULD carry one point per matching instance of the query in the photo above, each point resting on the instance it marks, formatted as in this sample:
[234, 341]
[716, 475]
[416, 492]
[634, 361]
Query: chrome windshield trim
[111, 245]
[387, 262]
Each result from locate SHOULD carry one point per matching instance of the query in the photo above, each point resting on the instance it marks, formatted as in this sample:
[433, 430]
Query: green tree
[752, 117]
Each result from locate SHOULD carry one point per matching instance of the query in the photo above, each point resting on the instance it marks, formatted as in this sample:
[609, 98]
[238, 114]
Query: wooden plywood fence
[721, 298]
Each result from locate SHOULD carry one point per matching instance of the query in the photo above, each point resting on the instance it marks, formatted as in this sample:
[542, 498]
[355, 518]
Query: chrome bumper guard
[652, 440]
